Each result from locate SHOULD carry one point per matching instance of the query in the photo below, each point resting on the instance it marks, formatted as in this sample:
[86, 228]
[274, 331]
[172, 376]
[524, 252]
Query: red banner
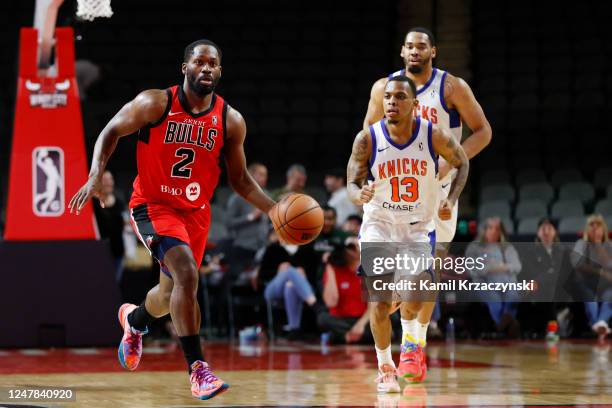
[48, 160]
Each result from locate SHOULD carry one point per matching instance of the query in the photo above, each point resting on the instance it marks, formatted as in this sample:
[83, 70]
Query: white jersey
[433, 108]
[405, 176]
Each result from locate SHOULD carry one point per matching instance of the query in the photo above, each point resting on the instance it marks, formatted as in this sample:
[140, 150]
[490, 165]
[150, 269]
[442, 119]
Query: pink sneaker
[410, 364]
[130, 348]
[204, 384]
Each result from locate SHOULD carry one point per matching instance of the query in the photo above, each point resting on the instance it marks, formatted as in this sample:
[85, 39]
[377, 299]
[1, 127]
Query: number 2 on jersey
[180, 169]
[411, 189]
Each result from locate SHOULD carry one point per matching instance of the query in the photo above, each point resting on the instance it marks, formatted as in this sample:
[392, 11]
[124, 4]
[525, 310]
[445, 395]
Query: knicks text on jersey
[178, 157]
[405, 176]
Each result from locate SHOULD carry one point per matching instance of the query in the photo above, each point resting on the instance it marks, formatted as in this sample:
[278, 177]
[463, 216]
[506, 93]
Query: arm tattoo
[458, 159]
[357, 169]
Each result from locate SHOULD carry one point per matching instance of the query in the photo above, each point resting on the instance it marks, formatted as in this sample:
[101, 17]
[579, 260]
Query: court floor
[293, 374]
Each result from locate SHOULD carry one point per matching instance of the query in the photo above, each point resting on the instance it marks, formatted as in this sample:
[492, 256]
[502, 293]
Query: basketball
[298, 219]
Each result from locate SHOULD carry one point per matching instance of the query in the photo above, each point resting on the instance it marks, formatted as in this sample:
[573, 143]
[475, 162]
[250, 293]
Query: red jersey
[178, 156]
[350, 303]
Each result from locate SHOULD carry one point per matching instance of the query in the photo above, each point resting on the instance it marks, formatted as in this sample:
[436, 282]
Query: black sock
[140, 319]
[192, 349]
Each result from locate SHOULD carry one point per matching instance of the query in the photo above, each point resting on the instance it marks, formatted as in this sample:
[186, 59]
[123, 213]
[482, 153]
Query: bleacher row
[566, 197]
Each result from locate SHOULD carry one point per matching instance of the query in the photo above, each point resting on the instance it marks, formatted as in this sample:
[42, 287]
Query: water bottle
[450, 330]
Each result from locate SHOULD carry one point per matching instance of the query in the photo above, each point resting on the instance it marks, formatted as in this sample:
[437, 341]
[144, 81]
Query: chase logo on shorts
[192, 191]
[48, 181]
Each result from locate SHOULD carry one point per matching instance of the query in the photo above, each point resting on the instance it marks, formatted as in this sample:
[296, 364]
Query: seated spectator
[330, 236]
[347, 319]
[547, 263]
[296, 181]
[335, 185]
[282, 273]
[501, 264]
[352, 225]
[247, 225]
[592, 259]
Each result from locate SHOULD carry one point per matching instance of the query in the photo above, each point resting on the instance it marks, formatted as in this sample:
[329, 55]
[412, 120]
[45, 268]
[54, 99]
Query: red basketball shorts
[155, 222]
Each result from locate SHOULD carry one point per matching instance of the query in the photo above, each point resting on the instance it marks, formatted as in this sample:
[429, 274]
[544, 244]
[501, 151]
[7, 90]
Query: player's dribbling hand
[445, 210]
[92, 188]
[271, 213]
[367, 193]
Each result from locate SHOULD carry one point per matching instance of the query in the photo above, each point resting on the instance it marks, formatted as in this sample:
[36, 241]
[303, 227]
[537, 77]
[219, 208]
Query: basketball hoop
[91, 9]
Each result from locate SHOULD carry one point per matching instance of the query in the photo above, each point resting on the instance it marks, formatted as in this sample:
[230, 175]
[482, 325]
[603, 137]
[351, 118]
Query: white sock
[409, 330]
[384, 356]
[422, 333]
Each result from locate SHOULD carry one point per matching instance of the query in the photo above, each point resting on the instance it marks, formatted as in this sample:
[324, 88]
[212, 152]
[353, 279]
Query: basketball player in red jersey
[183, 132]
[447, 101]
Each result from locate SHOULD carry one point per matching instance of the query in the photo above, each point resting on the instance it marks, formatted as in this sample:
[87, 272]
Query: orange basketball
[298, 219]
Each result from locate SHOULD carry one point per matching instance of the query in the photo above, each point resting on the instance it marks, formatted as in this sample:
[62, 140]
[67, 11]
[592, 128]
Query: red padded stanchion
[48, 160]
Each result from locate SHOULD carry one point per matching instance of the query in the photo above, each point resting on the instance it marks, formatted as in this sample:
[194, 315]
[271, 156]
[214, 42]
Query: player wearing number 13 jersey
[183, 132]
[393, 173]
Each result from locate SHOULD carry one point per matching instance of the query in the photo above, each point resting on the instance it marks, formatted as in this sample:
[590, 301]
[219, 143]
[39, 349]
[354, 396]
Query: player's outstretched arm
[445, 145]
[235, 161]
[375, 107]
[145, 109]
[459, 94]
[357, 170]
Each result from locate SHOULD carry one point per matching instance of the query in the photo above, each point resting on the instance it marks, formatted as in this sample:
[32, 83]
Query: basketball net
[91, 9]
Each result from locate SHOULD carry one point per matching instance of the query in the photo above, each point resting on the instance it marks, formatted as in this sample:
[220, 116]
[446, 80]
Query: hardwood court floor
[465, 374]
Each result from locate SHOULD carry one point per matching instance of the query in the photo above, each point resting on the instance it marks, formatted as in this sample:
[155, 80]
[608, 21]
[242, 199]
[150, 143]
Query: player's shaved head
[191, 47]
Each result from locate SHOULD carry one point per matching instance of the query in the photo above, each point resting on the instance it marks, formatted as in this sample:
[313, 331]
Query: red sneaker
[410, 365]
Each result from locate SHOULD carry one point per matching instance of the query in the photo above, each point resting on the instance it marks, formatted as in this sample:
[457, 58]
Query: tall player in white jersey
[393, 173]
[448, 102]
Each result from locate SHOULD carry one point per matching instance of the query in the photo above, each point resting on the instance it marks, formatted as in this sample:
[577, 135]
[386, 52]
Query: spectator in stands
[247, 225]
[330, 235]
[547, 263]
[501, 264]
[296, 181]
[352, 225]
[336, 186]
[111, 218]
[282, 273]
[348, 318]
[592, 258]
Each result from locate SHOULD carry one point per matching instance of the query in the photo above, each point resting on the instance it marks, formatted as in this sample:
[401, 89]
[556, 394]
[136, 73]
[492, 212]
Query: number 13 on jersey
[404, 189]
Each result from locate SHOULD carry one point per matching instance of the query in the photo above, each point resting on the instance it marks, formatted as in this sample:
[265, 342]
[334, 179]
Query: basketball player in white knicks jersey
[393, 173]
[448, 102]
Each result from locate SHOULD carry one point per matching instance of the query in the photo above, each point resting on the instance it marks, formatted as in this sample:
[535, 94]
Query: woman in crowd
[501, 264]
[592, 259]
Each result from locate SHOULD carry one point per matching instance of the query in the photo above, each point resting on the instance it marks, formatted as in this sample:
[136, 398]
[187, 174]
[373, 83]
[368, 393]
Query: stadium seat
[604, 207]
[530, 176]
[528, 226]
[577, 190]
[571, 225]
[492, 177]
[530, 209]
[565, 176]
[603, 177]
[497, 192]
[499, 208]
[567, 208]
[537, 191]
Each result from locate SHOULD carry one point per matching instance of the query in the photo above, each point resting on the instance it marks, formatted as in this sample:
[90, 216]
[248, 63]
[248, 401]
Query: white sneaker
[601, 328]
[387, 380]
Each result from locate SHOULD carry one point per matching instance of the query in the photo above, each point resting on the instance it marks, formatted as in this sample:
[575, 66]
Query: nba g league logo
[48, 181]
